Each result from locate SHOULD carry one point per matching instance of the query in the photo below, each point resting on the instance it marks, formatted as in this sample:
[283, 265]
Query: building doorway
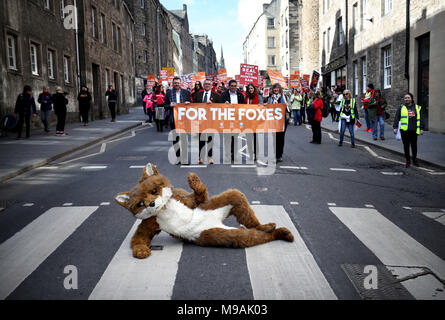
[423, 81]
[96, 107]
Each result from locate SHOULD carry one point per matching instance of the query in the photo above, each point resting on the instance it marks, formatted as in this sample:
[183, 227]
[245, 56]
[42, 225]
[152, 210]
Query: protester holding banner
[207, 96]
[233, 96]
[173, 97]
[158, 99]
[253, 97]
[276, 97]
[197, 89]
[315, 110]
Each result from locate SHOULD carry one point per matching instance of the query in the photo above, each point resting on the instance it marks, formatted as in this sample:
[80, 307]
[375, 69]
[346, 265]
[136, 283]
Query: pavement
[430, 145]
[20, 156]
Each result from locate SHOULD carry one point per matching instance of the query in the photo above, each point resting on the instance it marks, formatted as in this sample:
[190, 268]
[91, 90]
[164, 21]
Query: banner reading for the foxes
[277, 77]
[248, 74]
[226, 118]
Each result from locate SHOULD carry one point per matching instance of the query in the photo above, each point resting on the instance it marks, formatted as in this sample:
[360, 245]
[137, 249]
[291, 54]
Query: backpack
[326, 107]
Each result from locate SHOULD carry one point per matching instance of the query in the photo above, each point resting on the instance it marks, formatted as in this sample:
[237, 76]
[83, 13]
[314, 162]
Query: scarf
[276, 98]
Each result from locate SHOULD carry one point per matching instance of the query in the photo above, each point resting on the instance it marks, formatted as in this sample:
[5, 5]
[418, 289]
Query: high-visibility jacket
[342, 108]
[404, 118]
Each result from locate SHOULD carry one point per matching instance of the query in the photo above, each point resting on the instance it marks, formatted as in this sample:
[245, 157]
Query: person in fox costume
[193, 217]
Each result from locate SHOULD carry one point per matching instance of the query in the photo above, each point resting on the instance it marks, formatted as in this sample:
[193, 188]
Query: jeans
[149, 113]
[379, 120]
[368, 123]
[297, 117]
[350, 127]
[45, 116]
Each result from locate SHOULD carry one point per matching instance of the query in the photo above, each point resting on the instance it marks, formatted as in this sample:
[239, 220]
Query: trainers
[340, 144]
[416, 163]
[382, 138]
[408, 164]
[375, 139]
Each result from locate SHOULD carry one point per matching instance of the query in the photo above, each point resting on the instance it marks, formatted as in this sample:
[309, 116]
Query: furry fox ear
[149, 171]
[123, 199]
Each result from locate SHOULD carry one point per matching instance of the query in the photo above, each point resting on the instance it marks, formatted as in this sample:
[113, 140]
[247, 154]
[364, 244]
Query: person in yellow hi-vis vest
[410, 116]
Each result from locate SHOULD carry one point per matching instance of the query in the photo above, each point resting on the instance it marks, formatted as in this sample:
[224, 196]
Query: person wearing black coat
[207, 96]
[24, 106]
[84, 99]
[60, 103]
[172, 98]
[112, 101]
[46, 105]
[233, 96]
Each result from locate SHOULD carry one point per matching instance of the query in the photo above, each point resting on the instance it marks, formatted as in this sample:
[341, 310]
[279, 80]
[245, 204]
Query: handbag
[160, 113]
[399, 134]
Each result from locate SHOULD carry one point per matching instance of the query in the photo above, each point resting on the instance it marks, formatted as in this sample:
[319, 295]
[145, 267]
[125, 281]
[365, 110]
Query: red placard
[295, 80]
[248, 74]
[163, 76]
[151, 80]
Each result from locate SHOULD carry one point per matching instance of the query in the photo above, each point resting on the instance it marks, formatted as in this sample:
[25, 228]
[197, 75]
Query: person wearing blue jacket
[24, 106]
[46, 105]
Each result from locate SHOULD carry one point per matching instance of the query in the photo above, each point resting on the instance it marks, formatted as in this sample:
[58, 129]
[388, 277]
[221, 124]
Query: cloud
[248, 12]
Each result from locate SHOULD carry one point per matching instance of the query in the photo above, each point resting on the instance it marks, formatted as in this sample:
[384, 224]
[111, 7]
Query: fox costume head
[149, 197]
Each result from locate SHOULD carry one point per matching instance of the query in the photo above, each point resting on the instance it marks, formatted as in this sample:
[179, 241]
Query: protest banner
[226, 118]
[237, 78]
[277, 77]
[151, 80]
[305, 83]
[295, 81]
[248, 74]
[170, 73]
[314, 81]
[222, 74]
[266, 92]
[163, 76]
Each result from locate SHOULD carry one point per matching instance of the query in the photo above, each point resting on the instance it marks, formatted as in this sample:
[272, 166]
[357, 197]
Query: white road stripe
[105, 204]
[433, 215]
[194, 167]
[243, 166]
[407, 208]
[28, 204]
[343, 170]
[137, 167]
[281, 270]
[256, 202]
[295, 203]
[21, 254]
[369, 206]
[332, 204]
[392, 173]
[47, 168]
[441, 220]
[296, 168]
[128, 278]
[93, 168]
[67, 204]
[437, 173]
[391, 245]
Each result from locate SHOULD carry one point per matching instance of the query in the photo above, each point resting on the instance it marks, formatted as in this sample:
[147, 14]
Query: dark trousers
[112, 107]
[409, 139]
[84, 113]
[61, 118]
[24, 119]
[202, 145]
[303, 114]
[280, 138]
[316, 131]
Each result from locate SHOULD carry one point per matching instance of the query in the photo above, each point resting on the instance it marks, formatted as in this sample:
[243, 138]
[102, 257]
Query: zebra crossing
[276, 270]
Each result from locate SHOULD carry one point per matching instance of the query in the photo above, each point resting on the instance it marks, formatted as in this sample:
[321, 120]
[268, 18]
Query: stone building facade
[36, 56]
[285, 37]
[107, 53]
[153, 40]
[389, 43]
[180, 23]
[206, 60]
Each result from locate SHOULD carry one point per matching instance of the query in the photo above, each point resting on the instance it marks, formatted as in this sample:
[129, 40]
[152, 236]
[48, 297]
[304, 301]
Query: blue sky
[225, 22]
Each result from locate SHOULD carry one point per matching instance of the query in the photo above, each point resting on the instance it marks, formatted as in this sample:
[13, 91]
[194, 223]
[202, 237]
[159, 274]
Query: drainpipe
[77, 45]
[407, 42]
[159, 40]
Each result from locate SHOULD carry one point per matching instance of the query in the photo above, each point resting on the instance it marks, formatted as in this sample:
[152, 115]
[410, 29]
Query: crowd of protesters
[302, 107]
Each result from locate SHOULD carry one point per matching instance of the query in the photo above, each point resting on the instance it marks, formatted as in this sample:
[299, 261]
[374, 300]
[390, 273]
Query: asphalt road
[347, 206]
